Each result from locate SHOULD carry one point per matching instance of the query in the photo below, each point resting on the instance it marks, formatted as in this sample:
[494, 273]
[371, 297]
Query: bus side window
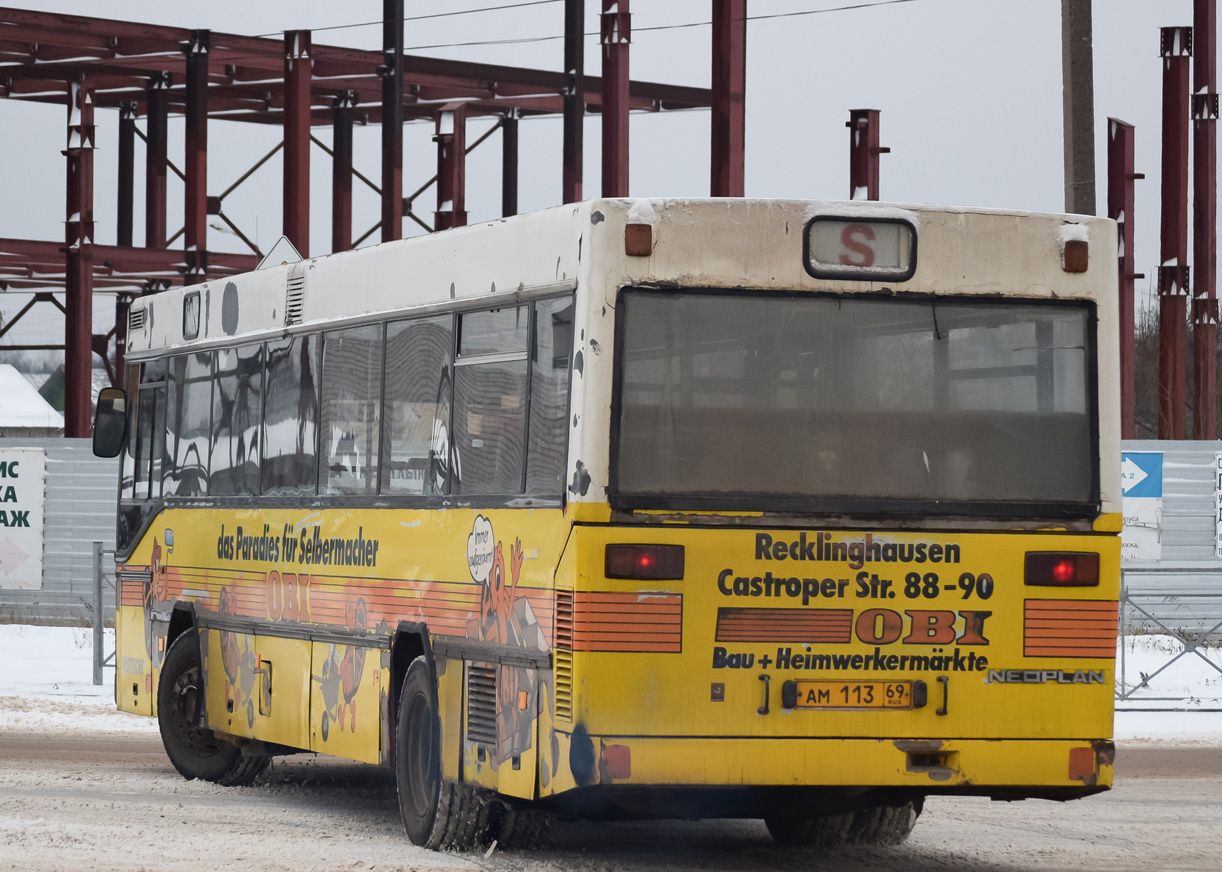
[290, 417]
[549, 394]
[490, 402]
[188, 418]
[351, 409]
[237, 416]
[416, 416]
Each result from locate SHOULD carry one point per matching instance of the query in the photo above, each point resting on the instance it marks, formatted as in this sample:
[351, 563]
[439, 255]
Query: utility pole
[1077, 73]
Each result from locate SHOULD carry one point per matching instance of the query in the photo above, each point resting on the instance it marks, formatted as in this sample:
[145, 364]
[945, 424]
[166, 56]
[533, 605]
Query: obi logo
[924, 627]
[481, 546]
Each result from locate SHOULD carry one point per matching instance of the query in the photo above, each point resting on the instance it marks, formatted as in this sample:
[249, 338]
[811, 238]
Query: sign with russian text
[22, 491]
[868, 249]
[1141, 484]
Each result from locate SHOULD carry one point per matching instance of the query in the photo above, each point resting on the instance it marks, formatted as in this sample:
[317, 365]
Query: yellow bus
[793, 510]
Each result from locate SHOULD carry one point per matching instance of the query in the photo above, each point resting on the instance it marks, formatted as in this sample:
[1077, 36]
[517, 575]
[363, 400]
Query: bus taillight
[1062, 569]
[645, 562]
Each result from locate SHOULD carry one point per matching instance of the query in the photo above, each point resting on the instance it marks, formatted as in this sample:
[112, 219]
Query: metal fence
[79, 509]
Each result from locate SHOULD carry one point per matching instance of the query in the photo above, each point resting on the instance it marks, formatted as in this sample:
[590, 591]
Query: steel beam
[297, 75]
[78, 267]
[574, 99]
[863, 154]
[1120, 196]
[615, 35]
[509, 164]
[451, 139]
[729, 97]
[1173, 284]
[341, 171]
[155, 160]
[1205, 219]
[392, 120]
[196, 164]
[127, 173]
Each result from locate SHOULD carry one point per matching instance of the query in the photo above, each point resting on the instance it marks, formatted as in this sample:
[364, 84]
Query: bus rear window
[855, 405]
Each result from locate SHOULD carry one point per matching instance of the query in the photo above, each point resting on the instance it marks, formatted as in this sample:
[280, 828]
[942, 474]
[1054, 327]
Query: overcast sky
[969, 90]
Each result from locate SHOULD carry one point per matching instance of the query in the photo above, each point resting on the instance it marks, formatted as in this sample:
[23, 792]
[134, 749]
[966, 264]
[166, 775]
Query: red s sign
[855, 238]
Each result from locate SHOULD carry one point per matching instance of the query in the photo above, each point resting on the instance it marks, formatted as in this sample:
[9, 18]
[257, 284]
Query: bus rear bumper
[1005, 768]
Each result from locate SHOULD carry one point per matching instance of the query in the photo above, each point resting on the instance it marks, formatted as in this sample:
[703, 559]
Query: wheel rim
[184, 696]
[422, 783]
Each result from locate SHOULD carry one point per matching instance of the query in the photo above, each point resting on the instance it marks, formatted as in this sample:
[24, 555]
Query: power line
[657, 27]
[420, 17]
[534, 39]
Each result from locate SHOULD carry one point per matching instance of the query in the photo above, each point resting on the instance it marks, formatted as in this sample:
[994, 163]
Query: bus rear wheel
[195, 751]
[877, 825]
[437, 814]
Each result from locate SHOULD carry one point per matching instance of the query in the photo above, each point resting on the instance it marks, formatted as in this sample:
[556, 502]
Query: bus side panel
[133, 668]
[282, 690]
[230, 681]
[556, 715]
[449, 705]
[345, 701]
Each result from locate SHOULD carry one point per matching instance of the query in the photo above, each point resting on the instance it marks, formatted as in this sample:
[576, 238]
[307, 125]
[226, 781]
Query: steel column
[509, 164]
[1078, 102]
[298, 70]
[392, 120]
[341, 171]
[615, 35]
[1176, 49]
[123, 304]
[78, 237]
[127, 172]
[451, 139]
[156, 161]
[196, 219]
[574, 98]
[729, 97]
[1205, 219]
[863, 154]
[1120, 177]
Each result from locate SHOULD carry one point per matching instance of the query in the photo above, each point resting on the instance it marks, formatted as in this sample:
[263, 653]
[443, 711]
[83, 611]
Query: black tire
[819, 832]
[196, 752]
[885, 825]
[519, 827]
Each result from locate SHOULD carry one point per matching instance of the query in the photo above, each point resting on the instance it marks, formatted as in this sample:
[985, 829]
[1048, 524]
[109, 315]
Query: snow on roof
[21, 405]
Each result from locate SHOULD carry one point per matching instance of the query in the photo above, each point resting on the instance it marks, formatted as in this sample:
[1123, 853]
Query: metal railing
[101, 578]
[1138, 609]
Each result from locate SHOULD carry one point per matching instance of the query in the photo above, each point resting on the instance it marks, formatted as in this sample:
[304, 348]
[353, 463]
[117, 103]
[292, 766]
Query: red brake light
[645, 562]
[1061, 569]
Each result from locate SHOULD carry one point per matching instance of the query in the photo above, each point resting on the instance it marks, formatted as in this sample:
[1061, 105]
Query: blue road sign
[1141, 473]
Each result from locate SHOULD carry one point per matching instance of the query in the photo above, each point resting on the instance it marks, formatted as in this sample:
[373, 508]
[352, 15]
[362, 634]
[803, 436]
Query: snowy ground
[46, 683]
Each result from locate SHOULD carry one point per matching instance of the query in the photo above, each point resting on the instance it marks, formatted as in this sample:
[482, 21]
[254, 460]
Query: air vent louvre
[481, 703]
[135, 320]
[294, 299]
[562, 655]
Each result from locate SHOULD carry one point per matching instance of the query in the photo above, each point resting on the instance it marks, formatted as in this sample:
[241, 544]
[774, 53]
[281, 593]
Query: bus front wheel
[196, 751]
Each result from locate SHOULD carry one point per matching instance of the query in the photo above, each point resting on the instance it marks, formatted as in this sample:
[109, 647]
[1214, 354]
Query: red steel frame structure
[1204, 219]
[1176, 52]
[154, 72]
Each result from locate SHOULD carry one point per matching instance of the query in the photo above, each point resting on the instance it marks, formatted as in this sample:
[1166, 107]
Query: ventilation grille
[135, 320]
[562, 654]
[481, 703]
[293, 299]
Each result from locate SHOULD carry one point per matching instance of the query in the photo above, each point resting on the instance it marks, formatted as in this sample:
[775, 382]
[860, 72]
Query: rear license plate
[854, 694]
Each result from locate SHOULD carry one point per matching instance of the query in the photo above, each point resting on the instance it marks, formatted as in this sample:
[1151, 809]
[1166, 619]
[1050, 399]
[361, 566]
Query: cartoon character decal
[157, 591]
[341, 675]
[239, 661]
[505, 619]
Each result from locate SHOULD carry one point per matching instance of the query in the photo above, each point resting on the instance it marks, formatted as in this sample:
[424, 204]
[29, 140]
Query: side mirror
[109, 422]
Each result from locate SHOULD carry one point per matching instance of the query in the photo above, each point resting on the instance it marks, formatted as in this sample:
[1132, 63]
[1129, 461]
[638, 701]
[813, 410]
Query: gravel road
[111, 801]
